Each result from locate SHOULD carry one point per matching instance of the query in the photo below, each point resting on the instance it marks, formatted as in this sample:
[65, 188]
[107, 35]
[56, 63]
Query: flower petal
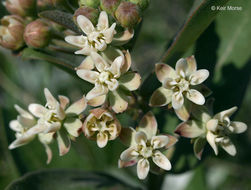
[181, 67]
[227, 113]
[48, 153]
[211, 140]
[77, 107]
[108, 33]
[229, 148]
[73, 125]
[122, 38]
[198, 77]
[112, 85]
[103, 22]
[51, 101]
[52, 127]
[102, 139]
[140, 137]
[127, 136]
[64, 143]
[143, 168]
[177, 100]
[15, 126]
[159, 141]
[161, 97]
[23, 140]
[97, 101]
[195, 96]
[79, 41]
[123, 164]
[161, 160]
[26, 122]
[118, 101]
[87, 75]
[60, 112]
[87, 64]
[37, 110]
[23, 112]
[115, 68]
[131, 81]
[164, 71]
[127, 63]
[129, 154]
[190, 129]
[192, 65]
[64, 101]
[99, 62]
[85, 24]
[212, 125]
[148, 124]
[198, 147]
[98, 90]
[87, 50]
[184, 111]
[239, 127]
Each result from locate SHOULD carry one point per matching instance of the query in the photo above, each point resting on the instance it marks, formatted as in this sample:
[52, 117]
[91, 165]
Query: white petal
[48, 152]
[23, 112]
[23, 140]
[159, 141]
[85, 24]
[87, 75]
[87, 64]
[63, 146]
[37, 110]
[131, 81]
[51, 101]
[163, 71]
[239, 127]
[86, 51]
[227, 113]
[161, 97]
[195, 96]
[229, 148]
[46, 138]
[79, 41]
[73, 125]
[192, 65]
[15, 126]
[108, 34]
[183, 112]
[26, 122]
[128, 61]
[122, 38]
[102, 139]
[212, 125]
[181, 67]
[99, 62]
[78, 106]
[103, 22]
[100, 46]
[129, 154]
[177, 100]
[140, 137]
[112, 85]
[143, 167]
[60, 112]
[198, 77]
[52, 127]
[98, 90]
[97, 101]
[161, 160]
[64, 101]
[148, 125]
[211, 140]
[118, 101]
[116, 66]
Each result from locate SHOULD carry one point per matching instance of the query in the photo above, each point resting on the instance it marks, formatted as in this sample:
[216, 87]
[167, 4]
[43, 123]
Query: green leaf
[68, 179]
[62, 18]
[199, 20]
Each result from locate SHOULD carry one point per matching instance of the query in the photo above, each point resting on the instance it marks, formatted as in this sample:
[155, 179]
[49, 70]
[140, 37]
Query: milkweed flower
[101, 125]
[96, 39]
[145, 144]
[110, 80]
[179, 85]
[213, 129]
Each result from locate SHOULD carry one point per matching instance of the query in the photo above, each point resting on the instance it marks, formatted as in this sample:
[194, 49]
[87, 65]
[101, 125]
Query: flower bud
[21, 7]
[89, 12]
[89, 3]
[37, 34]
[143, 4]
[109, 6]
[128, 14]
[11, 32]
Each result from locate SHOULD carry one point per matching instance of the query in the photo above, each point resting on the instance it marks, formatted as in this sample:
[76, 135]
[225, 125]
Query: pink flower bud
[37, 34]
[89, 3]
[109, 6]
[21, 7]
[143, 4]
[11, 32]
[89, 12]
[128, 14]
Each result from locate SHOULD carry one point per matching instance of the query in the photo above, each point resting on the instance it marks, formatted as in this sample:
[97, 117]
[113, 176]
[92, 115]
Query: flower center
[95, 38]
[105, 76]
[183, 84]
[145, 150]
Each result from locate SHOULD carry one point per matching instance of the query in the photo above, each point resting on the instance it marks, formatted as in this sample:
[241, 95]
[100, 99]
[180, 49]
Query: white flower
[25, 127]
[220, 127]
[101, 125]
[55, 115]
[145, 145]
[179, 83]
[96, 39]
[108, 77]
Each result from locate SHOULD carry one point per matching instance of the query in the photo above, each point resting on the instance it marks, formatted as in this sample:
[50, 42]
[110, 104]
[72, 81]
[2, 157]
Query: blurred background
[223, 49]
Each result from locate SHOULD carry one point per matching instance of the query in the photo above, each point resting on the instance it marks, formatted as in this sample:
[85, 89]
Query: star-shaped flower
[179, 85]
[145, 144]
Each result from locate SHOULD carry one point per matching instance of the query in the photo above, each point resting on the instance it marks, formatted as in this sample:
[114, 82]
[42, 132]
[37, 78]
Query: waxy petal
[140, 138]
[159, 141]
[122, 38]
[51, 101]
[87, 64]
[148, 125]
[164, 71]
[79, 41]
[123, 164]
[85, 24]
[103, 22]
[73, 125]
[212, 125]
[177, 100]
[108, 34]
[118, 101]
[112, 85]
[26, 122]
[229, 148]
[60, 112]
[198, 77]
[52, 127]
[77, 107]
[190, 129]
[143, 168]
[239, 127]
[161, 97]
[129, 154]
[87, 75]
[102, 139]
[192, 65]
[161, 160]
[97, 101]
[116, 66]
[211, 140]
[97, 91]
[127, 136]
[87, 50]
[198, 147]
[23, 140]
[131, 81]
[37, 110]
[195, 96]
[15, 126]
[184, 111]
[181, 67]
[227, 113]
[64, 144]
[127, 63]
[64, 101]
[99, 62]
[23, 112]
